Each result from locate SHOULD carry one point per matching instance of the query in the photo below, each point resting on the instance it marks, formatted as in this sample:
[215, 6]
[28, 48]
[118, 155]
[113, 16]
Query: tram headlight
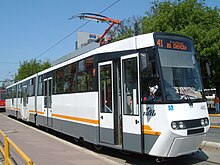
[178, 125]
[181, 125]
[206, 121]
[202, 121]
[174, 125]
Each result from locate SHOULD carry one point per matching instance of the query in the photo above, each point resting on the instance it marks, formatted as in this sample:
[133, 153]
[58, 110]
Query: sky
[30, 27]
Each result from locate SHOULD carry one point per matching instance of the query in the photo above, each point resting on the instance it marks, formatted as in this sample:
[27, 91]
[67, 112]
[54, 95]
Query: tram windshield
[181, 75]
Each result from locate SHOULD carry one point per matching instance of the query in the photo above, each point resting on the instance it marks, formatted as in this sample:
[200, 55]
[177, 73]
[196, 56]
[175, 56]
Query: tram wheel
[76, 140]
[159, 160]
[98, 147]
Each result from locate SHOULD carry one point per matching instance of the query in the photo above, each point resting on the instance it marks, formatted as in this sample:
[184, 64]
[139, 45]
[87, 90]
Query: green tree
[28, 68]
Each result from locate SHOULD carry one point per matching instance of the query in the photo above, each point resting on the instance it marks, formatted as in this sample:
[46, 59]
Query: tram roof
[132, 43]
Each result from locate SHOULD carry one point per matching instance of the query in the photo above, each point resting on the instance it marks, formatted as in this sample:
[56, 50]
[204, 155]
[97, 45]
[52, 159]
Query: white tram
[143, 94]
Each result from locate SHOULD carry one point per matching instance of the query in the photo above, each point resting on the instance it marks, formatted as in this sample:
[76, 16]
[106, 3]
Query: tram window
[67, 79]
[89, 79]
[85, 75]
[81, 82]
[106, 89]
[40, 86]
[31, 87]
[19, 91]
[9, 93]
[14, 92]
[130, 86]
[24, 95]
[73, 77]
[149, 78]
[59, 81]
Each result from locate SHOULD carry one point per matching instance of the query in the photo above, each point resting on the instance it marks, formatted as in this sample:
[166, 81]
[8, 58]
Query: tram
[143, 94]
[2, 99]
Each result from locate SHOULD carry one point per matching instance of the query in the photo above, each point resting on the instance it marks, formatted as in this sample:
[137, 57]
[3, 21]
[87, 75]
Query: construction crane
[101, 18]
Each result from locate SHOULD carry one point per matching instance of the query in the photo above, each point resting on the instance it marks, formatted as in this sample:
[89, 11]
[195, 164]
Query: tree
[28, 68]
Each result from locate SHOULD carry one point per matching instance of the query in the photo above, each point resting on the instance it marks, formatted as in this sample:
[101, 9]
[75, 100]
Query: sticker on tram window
[167, 43]
[170, 107]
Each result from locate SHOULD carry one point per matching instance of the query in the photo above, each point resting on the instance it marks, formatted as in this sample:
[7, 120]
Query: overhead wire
[74, 31]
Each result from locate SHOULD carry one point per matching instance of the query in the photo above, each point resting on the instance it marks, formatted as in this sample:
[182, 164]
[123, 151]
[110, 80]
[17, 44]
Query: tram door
[106, 102]
[24, 112]
[131, 117]
[48, 100]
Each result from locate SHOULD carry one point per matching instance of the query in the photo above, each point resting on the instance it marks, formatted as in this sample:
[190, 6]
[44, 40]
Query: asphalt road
[213, 135]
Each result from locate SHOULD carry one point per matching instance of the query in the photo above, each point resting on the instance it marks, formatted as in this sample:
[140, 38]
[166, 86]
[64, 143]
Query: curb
[207, 144]
[215, 126]
[214, 115]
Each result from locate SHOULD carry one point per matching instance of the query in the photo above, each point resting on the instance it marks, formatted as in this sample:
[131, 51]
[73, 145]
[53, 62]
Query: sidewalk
[44, 148]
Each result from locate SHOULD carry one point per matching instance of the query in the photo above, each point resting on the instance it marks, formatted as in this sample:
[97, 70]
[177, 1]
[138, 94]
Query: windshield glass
[180, 71]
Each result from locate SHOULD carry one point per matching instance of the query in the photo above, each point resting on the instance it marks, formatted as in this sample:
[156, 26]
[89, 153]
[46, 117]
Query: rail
[5, 150]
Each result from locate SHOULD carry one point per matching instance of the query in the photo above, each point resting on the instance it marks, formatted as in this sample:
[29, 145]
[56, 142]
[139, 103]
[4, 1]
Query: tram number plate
[195, 131]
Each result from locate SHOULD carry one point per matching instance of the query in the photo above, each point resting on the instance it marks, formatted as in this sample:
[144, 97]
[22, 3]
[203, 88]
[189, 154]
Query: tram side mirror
[208, 69]
[205, 68]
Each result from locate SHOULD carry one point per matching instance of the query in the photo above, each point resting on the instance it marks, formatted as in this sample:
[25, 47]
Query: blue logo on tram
[170, 107]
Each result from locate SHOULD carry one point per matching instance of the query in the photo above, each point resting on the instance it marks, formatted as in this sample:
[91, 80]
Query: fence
[5, 150]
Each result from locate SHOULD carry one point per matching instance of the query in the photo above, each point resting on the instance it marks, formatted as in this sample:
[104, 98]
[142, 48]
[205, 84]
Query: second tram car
[142, 94]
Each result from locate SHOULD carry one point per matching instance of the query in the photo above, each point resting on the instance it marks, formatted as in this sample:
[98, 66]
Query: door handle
[101, 117]
[136, 121]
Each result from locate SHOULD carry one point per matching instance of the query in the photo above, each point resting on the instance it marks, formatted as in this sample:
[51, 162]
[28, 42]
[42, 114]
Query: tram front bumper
[185, 145]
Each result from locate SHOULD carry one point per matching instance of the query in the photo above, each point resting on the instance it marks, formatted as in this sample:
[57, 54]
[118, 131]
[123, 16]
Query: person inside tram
[152, 90]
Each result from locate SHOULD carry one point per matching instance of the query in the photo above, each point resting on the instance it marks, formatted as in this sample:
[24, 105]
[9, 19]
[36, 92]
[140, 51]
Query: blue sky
[29, 27]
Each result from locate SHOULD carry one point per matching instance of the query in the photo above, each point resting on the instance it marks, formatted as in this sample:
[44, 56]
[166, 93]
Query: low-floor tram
[143, 94]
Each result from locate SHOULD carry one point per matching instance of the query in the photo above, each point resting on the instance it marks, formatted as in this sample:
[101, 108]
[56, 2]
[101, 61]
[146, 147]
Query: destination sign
[168, 43]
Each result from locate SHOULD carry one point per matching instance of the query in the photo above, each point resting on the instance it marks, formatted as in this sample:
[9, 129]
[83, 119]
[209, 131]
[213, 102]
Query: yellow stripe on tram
[90, 121]
[149, 131]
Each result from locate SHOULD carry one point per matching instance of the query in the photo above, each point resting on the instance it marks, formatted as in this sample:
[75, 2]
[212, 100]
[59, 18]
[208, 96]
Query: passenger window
[106, 88]
[40, 86]
[59, 81]
[31, 87]
[130, 86]
[85, 75]
[73, 77]
[67, 79]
